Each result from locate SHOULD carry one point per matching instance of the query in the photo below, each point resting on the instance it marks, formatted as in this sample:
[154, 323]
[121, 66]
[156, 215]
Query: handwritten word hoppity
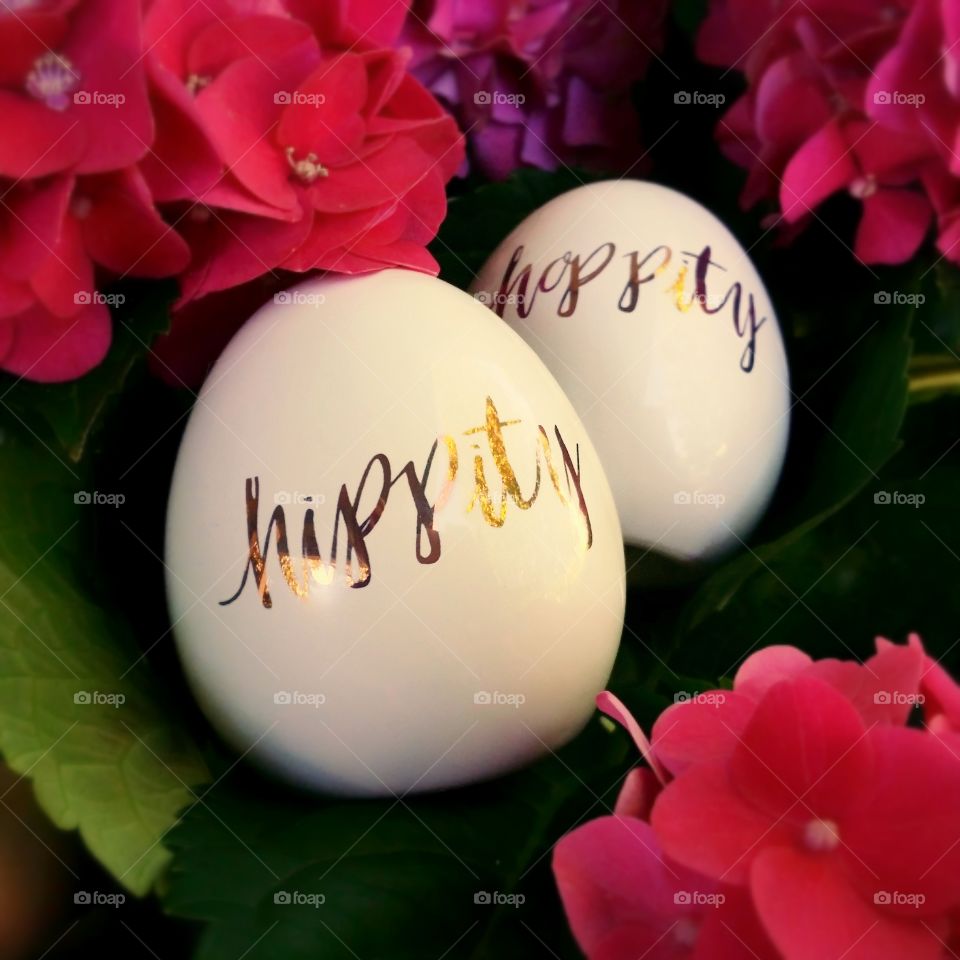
[691, 283]
[357, 568]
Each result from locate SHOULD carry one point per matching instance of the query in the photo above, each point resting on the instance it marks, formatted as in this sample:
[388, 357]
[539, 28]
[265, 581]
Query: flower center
[864, 187]
[196, 82]
[307, 169]
[821, 836]
[51, 79]
[685, 932]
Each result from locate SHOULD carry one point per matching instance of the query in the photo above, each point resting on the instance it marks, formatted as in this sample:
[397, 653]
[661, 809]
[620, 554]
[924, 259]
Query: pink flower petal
[121, 229]
[804, 754]
[885, 153]
[908, 836]
[811, 913]
[640, 788]
[26, 36]
[766, 667]
[230, 249]
[379, 178]
[412, 256]
[326, 120]
[182, 163]
[823, 165]
[733, 931]
[65, 277]
[940, 691]
[791, 102]
[46, 141]
[34, 214]
[884, 688]
[613, 707]
[51, 349]
[617, 890]
[893, 226]
[703, 730]
[265, 38]
[117, 132]
[238, 111]
[913, 66]
[703, 822]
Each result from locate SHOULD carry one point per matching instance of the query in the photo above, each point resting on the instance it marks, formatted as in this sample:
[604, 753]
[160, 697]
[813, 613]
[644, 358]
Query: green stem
[933, 372]
[946, 379]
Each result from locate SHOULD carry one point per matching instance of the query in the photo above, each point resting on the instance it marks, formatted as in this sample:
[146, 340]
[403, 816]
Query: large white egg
[655, 322]
[394, 559]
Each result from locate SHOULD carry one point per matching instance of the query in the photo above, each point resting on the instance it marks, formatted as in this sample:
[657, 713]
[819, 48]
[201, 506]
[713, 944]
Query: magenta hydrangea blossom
[538, 83]
[797, 815]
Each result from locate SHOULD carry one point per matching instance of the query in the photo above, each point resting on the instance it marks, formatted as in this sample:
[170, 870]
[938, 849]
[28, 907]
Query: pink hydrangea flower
[77, 119]
[803, 790]
[624, 899]
[292, 143]
[846, 95]
[814, 807]
[54, 234]
[707, 728]
[73, 95]
[272, 134]
[538, 83]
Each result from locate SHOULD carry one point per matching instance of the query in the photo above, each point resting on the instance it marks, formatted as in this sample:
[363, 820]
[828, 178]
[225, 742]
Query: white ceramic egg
[656, 324]
[394, 560]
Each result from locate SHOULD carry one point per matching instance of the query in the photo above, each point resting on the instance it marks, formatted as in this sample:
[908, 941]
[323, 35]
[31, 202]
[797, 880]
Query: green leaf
[68, 413]
[886, 564]
[937, 327]
[119, 772]
[399, 877]
[689, 14]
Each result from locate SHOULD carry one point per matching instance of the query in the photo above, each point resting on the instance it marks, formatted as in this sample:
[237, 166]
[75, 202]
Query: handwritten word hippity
[356, 531]
[571, 272]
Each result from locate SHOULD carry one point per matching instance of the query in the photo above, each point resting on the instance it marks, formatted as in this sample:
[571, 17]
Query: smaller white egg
[653, 319]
